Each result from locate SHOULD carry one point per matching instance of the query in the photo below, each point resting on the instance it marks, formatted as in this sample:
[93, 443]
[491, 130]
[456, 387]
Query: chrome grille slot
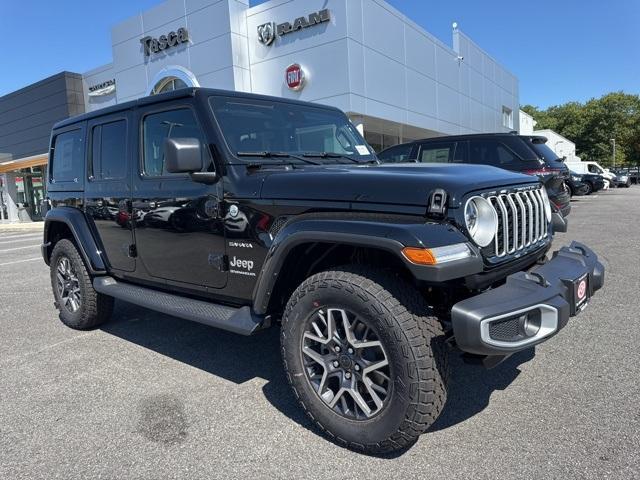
[527, 201]
[521, 221]
[504, 219]
[536, 221]
[514, 223]
[543, 223]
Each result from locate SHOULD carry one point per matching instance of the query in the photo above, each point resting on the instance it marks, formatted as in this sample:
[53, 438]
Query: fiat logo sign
[294, 76]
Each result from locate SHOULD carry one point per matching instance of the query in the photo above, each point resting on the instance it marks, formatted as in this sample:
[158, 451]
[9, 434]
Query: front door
[178, 226]
[108, 187]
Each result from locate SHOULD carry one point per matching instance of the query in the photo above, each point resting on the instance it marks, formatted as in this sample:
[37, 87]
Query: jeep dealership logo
[172, 39]
[267, 32]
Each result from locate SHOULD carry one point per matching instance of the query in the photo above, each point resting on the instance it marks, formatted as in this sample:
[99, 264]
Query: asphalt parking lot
[151, 396]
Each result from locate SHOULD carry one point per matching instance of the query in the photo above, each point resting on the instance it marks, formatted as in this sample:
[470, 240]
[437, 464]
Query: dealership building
[395, 80]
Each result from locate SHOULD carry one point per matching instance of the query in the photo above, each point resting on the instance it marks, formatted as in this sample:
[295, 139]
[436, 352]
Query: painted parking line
[22, 235]
[18, 248]
[21, 261]
[18, 240]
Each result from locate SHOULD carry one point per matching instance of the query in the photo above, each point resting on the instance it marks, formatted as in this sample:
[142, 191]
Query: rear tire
[589, 188]
[80, 306]
[379, 309]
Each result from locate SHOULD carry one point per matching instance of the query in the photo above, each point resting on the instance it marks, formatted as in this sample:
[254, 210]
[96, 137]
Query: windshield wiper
[335, 155]
[268, 154]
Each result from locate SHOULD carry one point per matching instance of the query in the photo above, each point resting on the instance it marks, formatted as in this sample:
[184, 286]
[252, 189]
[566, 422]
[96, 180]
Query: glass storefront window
[30, 192]
[374, 140]
[168, 84]
[4, 215]
[381, 141]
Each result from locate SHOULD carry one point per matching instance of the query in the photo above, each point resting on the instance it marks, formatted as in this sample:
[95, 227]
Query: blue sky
[561, 50]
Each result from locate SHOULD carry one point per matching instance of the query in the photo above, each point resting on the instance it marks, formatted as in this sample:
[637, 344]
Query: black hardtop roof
[176, 94]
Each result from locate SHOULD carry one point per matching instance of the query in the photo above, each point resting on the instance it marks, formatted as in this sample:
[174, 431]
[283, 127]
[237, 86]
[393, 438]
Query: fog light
[531, 323]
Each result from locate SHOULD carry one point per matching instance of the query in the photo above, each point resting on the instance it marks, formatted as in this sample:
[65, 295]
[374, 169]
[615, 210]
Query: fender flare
[390, 237]
[75, 220]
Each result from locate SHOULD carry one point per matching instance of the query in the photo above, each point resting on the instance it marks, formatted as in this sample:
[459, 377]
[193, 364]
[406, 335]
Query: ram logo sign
[267, 32]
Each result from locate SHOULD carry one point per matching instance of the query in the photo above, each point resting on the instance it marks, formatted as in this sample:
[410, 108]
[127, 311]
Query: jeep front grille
[521, 221]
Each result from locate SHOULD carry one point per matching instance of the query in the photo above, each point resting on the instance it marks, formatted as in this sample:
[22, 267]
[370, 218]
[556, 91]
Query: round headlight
[547, 204]
[481, 220]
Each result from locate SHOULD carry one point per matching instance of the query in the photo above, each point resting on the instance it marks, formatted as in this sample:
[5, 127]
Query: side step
[238, 320]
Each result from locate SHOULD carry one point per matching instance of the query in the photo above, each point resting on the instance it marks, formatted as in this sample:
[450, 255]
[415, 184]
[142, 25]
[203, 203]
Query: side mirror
[182, 155]
[563, 159]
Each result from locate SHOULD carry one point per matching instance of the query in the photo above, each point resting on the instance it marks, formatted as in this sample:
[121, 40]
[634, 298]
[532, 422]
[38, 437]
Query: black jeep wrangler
[242, 211]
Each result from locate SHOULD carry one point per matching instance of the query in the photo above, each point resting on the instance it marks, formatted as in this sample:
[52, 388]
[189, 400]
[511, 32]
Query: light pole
[613, 141]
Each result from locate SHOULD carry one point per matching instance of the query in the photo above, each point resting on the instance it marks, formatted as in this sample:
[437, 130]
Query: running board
[238, 320]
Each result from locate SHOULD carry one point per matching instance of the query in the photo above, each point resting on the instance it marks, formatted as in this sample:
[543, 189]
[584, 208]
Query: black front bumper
[503, 320]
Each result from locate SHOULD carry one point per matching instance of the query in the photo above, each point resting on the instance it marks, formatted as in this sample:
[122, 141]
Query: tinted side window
[521, 146]
[68, 155]
[156, 127]
[109, 150]
[397, 154]
[491, 152]
[437, 152]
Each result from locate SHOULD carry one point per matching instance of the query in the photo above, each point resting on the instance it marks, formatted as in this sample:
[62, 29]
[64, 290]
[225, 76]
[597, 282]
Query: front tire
[365, 359]
[80, 306]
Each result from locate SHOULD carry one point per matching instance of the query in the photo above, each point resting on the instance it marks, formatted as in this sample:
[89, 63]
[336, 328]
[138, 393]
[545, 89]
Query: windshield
[266, 127]
[593, 168]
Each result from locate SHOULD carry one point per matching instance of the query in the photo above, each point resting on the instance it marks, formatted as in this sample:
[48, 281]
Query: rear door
[178, 226]
[108, 187]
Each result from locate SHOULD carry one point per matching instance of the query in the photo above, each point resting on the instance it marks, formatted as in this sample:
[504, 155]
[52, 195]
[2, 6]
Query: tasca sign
[267, 32]
[163, 42]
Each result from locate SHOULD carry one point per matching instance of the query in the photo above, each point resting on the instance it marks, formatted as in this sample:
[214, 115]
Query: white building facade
[527, 123]
[396, 81]
[562, 146]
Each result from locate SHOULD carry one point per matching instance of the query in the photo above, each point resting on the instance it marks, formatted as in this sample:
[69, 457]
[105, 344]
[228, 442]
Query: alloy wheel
[346, 364]
[68, 285]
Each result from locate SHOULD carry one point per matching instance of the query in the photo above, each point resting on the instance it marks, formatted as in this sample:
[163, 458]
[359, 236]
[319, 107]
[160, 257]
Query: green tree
[593, 124]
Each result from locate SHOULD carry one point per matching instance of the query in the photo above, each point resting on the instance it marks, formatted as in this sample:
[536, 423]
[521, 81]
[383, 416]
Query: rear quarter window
[492, 152]
[67, 163]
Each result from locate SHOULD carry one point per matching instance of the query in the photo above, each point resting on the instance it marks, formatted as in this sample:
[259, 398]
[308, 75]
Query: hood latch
[438, 203]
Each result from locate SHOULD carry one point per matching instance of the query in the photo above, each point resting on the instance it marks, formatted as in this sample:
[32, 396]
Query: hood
[401, 184]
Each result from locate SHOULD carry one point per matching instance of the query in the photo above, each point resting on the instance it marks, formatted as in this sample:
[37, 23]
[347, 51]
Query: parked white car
[592, 167]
